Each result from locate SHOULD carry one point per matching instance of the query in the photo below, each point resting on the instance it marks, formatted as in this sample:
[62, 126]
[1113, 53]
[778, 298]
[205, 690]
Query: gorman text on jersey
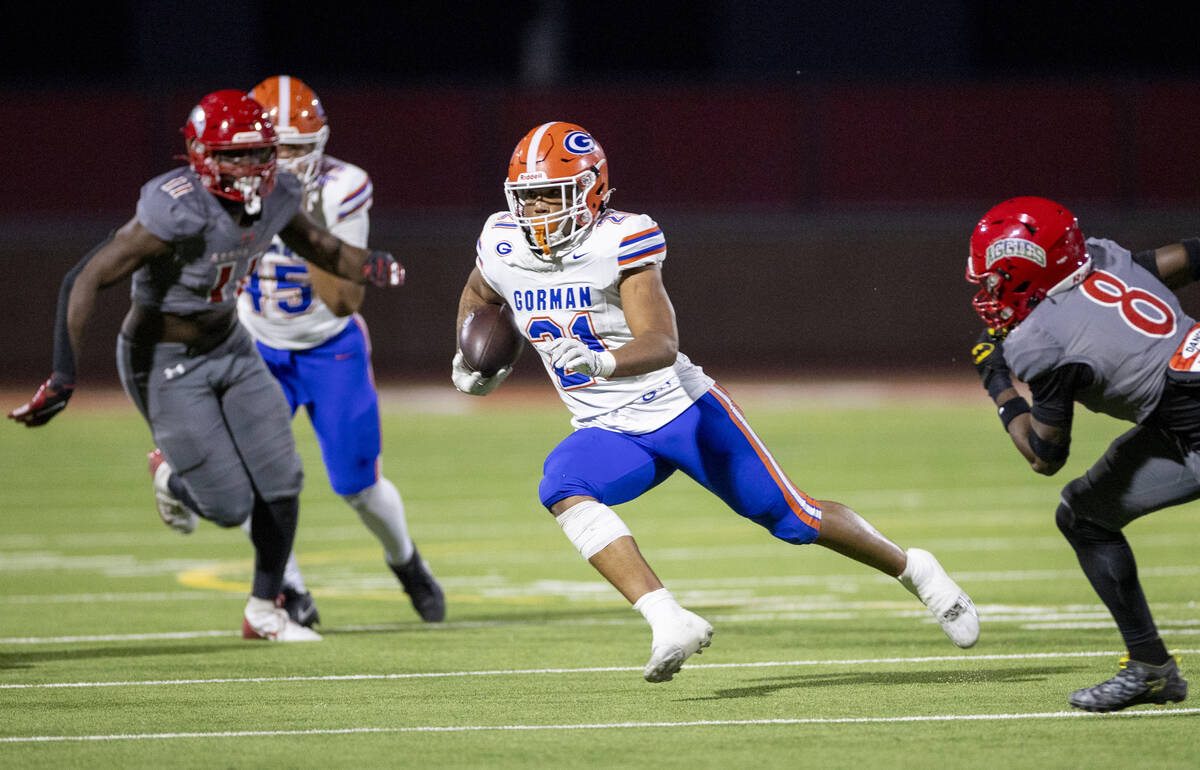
[560, 298]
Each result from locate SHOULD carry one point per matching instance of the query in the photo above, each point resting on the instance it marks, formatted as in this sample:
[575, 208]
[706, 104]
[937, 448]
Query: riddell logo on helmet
[1007, 248]
[531, 176]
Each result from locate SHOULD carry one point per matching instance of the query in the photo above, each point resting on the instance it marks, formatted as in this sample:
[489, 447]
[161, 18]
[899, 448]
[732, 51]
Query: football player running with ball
[192, 370]
[585, 286]
[308, 330]
[1087, 321]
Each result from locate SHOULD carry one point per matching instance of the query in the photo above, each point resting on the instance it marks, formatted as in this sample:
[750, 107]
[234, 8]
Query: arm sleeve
[1054, 393]
[64, 355]
[1149, 260]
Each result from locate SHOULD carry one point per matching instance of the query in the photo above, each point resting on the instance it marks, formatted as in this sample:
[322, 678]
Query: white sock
[914, 574]
[657, 606]
[381, 509]
[258, 606]
[291, 571]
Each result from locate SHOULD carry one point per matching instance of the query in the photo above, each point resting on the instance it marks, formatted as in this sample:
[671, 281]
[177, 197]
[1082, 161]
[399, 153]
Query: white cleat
[954, 610]
[273, 624]
[670, 647]
[174, 514]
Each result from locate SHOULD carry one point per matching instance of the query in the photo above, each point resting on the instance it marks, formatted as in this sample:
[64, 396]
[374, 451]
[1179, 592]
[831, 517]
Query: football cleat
[263, 620]
[1134, 684]
[418, 582]
[950, 605]
[174, 513]
[300, 607]
[670, 647]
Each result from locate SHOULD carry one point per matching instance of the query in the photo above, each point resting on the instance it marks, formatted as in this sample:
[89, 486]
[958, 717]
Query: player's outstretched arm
[1176, 265]
[1044, 447]
[342, 296]
[113, 260]
[328, 252]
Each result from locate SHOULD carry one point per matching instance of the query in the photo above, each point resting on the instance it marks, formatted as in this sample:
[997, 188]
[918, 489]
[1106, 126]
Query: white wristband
[606, 364]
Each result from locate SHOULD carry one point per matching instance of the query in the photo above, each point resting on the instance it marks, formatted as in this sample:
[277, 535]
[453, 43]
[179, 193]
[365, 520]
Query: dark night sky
[152, 43]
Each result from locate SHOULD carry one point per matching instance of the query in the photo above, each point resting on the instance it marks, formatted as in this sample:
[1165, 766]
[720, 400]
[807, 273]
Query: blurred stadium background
[817, 167]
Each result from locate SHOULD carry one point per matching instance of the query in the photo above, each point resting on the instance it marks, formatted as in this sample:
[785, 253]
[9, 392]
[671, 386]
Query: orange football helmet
[299, 119]
[560, 161]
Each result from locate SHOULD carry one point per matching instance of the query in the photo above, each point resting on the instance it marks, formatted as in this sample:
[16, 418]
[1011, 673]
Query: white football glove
[567, 353]
[472, 382]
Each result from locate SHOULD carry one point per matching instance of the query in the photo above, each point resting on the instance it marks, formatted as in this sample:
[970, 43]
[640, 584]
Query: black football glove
[50, 399]
[382, 269]
[988, 357]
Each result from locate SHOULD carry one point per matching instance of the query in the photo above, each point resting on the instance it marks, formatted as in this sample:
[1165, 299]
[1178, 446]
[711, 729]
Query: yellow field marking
[213, 577]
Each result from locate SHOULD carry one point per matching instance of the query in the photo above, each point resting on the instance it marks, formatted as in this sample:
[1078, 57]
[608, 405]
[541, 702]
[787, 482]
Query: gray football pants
[221, 420]
[1143, 470]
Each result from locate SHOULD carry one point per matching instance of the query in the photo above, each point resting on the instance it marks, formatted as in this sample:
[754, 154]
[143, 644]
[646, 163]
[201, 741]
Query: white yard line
[774, 609]
[555, 671]
[1168, 712]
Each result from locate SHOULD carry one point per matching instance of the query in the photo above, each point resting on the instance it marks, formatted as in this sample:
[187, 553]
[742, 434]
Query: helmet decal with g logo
[579, 143]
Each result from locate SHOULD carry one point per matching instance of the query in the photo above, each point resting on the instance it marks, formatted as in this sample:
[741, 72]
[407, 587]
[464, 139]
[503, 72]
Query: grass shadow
[17, 660]
[889, 678]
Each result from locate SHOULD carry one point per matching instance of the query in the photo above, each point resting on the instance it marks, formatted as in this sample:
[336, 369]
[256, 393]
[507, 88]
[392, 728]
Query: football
[489, 340]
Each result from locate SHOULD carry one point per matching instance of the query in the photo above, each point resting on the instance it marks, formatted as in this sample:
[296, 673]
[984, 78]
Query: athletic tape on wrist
[591, 526]
[607, 362]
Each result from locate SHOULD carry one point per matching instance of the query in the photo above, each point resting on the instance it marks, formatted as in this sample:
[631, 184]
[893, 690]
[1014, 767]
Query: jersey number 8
[1141, 310]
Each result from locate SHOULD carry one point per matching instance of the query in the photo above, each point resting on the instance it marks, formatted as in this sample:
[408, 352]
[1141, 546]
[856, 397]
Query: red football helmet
[557, 161]
[231, 146]
[1022, 251]
[299, 119]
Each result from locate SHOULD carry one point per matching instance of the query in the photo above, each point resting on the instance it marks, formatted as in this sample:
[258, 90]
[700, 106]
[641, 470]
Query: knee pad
[591, 527]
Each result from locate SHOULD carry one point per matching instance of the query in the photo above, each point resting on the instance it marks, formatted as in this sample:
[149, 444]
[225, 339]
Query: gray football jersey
[1121, 321]
[210, 254]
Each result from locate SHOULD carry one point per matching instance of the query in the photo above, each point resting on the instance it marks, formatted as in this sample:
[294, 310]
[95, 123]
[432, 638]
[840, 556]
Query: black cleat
[418, 582]
[1134, 684]
[301, 607]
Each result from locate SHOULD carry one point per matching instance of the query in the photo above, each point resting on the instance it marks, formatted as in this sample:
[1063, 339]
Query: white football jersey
[580, 297]
[278, 304]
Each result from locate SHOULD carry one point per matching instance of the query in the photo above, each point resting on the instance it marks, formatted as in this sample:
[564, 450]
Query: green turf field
[119, 642]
